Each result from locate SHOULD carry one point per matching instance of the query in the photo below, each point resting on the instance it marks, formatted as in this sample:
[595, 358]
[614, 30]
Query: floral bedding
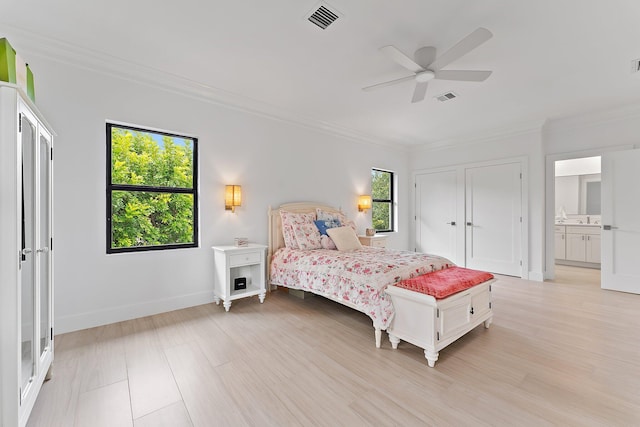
[357, 277]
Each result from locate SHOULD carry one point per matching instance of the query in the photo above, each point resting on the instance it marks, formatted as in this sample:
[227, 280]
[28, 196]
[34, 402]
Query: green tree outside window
[382, 198]
[151, 190]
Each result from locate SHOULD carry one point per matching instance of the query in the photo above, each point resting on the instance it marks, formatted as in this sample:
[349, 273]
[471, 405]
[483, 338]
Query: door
[493, 218]
[436, 214]
[621, 221]
[593, 249]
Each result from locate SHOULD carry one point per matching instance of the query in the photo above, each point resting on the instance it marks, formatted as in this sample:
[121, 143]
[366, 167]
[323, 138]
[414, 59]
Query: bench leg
[487, 322]
[432, 357]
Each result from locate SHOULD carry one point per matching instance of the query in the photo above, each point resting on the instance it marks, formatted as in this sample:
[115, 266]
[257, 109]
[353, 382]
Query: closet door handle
[452, 223]
[470, 224]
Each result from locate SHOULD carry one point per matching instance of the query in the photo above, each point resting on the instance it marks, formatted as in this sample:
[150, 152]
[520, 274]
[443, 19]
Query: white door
[621, 221]
[436, 214]
[493, 218]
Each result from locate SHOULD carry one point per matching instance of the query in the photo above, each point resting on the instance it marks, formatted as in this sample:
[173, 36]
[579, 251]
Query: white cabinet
[560, 242]
[240, 273]
[583, 243]
[26, 254]
[375, 241]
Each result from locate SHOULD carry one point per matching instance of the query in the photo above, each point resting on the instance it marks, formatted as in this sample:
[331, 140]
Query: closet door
[493, 218]
[437, 221]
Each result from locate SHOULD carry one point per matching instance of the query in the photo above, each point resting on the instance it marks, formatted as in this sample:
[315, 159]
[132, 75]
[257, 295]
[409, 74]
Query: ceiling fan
[426, 66]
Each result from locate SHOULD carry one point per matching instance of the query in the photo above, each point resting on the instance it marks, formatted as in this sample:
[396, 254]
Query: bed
[362, 279]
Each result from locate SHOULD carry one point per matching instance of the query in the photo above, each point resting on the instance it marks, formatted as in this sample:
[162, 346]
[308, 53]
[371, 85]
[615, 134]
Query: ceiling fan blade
[463, 47]
[419, 92]
[463, 75]
[389, 83]
[402, 59]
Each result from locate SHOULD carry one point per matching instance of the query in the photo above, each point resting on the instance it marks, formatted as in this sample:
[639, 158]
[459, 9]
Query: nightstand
[240, 273]
[377, 241]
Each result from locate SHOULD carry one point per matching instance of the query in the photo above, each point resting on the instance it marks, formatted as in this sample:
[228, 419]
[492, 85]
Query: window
[382, 198]
[151, 190]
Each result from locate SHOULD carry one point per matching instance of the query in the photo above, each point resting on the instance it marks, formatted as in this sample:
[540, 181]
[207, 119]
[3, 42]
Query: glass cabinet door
[27, 265]
[44, 237]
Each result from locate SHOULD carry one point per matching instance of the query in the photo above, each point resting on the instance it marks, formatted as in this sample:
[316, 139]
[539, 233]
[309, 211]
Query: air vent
[635, 65]
[446, 96]
[323, 15]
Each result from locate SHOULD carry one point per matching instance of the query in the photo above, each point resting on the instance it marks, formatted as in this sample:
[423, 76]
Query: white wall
[274, 161]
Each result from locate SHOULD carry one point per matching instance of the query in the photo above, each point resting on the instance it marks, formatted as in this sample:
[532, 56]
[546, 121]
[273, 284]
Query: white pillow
[344, 238]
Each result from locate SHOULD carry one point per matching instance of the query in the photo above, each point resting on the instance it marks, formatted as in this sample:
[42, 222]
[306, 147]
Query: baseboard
[92, 319]
[536, 276]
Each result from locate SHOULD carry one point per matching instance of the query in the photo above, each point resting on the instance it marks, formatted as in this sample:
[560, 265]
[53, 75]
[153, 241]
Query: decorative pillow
[336, 216]
[289, 219]
[326, 242]
[307, 236]
[344, 238]
[324, 224]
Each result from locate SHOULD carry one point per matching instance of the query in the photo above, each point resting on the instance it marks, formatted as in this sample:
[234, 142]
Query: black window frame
[389, 201]
[150, 189]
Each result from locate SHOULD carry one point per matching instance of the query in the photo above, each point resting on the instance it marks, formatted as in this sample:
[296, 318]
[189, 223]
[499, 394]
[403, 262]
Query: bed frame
[276, 241]
[419, 319]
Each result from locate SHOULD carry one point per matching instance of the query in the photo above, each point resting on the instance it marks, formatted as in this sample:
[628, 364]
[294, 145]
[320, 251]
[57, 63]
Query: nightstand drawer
[379, 243]
[243, 259]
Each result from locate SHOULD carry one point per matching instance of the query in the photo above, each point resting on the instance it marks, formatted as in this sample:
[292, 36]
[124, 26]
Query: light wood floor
[556, 354]
[577, 275]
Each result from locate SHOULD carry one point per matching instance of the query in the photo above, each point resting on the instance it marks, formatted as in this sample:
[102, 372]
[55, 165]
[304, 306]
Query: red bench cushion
[442, 283]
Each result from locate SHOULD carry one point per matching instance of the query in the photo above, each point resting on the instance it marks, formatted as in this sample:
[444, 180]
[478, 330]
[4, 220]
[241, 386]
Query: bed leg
[432, 357]
[378, 337]
[394, 341]
[487, 322]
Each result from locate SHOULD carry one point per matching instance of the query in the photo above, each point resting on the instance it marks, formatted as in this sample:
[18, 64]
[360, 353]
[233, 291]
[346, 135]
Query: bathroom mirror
[578, 194]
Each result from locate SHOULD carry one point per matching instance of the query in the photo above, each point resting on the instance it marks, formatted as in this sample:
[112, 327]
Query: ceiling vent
[323, 15]
[446, 96]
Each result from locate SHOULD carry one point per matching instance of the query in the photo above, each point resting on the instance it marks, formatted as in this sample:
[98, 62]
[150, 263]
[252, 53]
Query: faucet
[588, 220]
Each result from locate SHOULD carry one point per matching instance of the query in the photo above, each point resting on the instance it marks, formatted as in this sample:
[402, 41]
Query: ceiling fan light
[425, 76]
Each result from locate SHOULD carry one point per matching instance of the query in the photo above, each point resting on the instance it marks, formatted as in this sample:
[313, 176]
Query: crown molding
[99, 62]
[593, 118]
[511, 131]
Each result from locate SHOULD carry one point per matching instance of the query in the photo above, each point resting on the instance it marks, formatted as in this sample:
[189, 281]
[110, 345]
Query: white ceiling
[550, 58]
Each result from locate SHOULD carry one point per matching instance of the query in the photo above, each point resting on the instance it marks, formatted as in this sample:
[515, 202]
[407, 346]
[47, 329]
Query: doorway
[577, 219]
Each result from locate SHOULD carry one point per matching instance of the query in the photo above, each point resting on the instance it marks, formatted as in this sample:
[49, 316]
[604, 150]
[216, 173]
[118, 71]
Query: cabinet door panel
[576, 247]
[561, 248]
[593, 249]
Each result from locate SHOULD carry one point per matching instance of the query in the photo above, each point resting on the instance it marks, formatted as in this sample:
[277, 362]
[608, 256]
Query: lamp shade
[364, 202]
[232, 197]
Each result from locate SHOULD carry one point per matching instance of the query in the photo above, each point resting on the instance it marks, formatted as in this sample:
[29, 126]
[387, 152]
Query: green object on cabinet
[7, 62]
[31, 89]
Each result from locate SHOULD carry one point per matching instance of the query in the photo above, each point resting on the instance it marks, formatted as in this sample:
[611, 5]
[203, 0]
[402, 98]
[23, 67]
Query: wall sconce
[364, 203]
[232, 197]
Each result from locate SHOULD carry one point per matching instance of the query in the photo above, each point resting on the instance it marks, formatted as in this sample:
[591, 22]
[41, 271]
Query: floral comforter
[358, 277]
